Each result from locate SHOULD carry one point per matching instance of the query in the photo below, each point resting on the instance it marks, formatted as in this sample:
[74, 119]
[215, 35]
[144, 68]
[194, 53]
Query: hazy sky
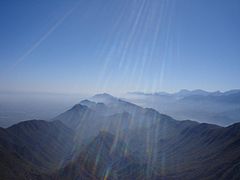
[71, 46]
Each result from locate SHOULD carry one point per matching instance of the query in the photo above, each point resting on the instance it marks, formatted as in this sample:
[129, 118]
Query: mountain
[200, 151]
[119, 140]
[12, 165]
[203, 152]
[104, 98]
[217, 107]
[161, 147]
[99, 115]
[197, 92]
[106, 157]
[34, 148]
[118, 118]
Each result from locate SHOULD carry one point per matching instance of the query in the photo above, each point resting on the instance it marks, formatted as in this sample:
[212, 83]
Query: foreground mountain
[104, 158]
[12, 165]
[202, 152]
[222, 108]
[32, 148]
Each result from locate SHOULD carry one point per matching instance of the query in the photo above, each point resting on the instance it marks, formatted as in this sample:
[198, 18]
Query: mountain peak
[85, 101]
[105, 95]
[104, 98]
[78, 107]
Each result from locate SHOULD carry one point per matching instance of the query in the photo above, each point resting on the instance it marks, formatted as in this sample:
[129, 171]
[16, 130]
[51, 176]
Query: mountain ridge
[217, 107]
[120, 140]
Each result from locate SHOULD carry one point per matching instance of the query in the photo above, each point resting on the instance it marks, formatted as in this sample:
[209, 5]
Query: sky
[117, 46]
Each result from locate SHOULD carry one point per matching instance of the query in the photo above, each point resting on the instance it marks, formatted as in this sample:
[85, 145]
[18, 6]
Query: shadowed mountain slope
[201, 151]
[34, 147]
[104, 158]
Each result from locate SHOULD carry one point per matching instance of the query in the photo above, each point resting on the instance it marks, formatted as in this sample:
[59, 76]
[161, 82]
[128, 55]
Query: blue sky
[116, 46]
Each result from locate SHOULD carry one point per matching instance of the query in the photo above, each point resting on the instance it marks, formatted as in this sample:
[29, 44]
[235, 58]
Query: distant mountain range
[108, 138]
[185, 92]
[222, 108]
